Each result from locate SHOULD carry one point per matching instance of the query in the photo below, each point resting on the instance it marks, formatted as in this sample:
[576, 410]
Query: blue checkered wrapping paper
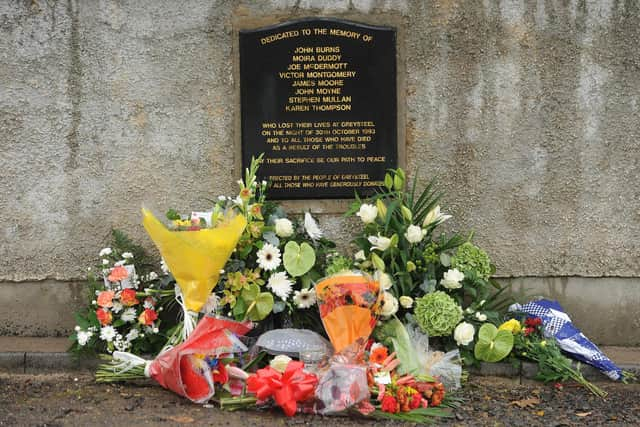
[557, 324]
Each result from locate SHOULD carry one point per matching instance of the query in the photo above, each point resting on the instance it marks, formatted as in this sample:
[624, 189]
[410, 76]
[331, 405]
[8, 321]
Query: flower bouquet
[125, 303]
[195, 257]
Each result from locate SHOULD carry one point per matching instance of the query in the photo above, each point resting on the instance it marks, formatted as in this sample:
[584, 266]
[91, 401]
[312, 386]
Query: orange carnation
[104, 316]
[117, 274]
[105, 298]
[147, 316]
[128, 297]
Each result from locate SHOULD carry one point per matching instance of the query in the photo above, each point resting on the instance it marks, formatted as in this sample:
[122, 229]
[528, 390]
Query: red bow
[287, 389]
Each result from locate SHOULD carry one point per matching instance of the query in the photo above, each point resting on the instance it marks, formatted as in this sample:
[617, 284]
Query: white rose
[452, 279]
[481, 317]
[367, 213]
[406, 301]
[280, 362]
[379, 242]
[414, 234]
[284, 227]
[464, 332]
[359, 256]
[389, 305]
[383, 279]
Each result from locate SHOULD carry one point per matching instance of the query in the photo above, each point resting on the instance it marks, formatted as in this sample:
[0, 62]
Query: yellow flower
[511, 325]
[543, 343]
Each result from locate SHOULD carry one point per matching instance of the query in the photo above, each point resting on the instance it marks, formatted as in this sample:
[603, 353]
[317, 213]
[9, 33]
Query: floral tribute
[404, 311]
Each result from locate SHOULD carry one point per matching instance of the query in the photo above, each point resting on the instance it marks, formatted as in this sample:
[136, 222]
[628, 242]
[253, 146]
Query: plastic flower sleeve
[192, 368]
[292, 342]
[557, 324]
[341, 387]
[349, 304]
[195, 258]
[448, 370]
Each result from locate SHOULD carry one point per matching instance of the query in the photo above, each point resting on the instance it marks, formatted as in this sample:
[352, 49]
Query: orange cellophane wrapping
[348, 307]
[195, 258]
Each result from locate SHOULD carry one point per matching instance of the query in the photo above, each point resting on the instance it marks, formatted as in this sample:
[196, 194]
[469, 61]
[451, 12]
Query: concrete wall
[528, 111]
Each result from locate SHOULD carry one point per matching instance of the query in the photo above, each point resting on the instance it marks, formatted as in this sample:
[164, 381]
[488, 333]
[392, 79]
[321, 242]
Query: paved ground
[76, 400]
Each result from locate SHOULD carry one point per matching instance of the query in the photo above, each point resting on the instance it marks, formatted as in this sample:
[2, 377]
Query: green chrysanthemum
[469, 257]
[437, 313]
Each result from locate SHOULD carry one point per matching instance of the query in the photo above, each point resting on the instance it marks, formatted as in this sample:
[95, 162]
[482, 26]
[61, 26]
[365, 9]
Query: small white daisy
[132, 335]
[304, 298]
[105, 262]
[127, 255]
[117, 307]
[280, 285]
[269, 257]
[152, 276]
[107, 333]
[129, 315]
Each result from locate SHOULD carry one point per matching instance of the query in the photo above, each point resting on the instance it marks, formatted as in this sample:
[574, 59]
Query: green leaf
[260, 307]
[250, 293]
[493, 345]
[298, 259]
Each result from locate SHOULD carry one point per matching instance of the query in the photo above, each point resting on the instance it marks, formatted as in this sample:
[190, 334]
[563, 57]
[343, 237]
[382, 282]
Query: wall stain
[74, 87]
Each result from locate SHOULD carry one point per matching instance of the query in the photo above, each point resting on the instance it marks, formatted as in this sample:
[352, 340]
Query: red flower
[220, 374]
[528, 331]
[147, 316]
[104, 316]
[416, 401]
[532, 322]
[390, 404]
[105, 298]
[128, 297]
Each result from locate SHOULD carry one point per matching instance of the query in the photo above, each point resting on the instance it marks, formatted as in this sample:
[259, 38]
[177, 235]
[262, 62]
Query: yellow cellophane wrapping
[195, 258]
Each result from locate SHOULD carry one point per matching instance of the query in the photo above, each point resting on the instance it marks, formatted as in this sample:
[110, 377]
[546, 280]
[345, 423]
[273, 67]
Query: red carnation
[104, 316]
[416, 401]
[390, 404]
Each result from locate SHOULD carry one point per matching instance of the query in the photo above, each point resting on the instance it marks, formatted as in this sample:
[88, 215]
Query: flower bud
[410, 266]
[382, 209]
[406, 213]
[377, 262]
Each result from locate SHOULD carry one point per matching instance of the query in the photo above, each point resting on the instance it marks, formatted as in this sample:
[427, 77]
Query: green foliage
[437, 313]
[493, 345]
[471, 259]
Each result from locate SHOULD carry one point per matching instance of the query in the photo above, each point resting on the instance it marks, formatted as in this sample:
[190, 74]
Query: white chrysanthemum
[280, 285]
[105, 262]
[132, 335]
[283, 227]
[211, 306]
[107, 333]
[311, 227]
[105, 252]
[127, 255]
[389, 305]
[367, 213]
[304, 298]
[128, 315]
[83, 337]
[117, 307]
[269, 257]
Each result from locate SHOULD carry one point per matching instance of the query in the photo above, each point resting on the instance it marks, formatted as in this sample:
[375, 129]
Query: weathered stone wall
[527, 111]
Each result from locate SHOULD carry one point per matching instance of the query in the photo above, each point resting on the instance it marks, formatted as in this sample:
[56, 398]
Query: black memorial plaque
[318, 98]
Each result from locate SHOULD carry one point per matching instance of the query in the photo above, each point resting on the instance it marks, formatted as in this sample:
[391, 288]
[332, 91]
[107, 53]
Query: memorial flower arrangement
[125, 299]
[269, 277]
[261, 290]
[440, 283]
